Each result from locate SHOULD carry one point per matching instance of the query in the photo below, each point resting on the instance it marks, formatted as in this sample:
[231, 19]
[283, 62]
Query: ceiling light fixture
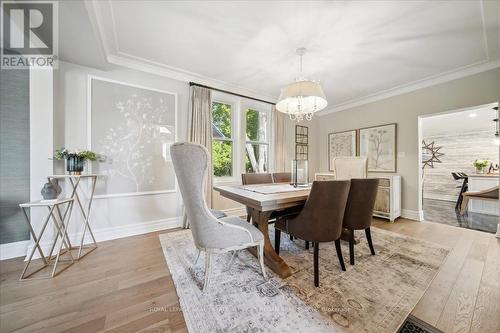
[473, 115]
[302, 98]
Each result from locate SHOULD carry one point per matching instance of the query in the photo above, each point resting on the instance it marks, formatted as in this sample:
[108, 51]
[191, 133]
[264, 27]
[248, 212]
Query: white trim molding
[20, 249]
[416, 215]
[90, 79]
[458, 73]
[103, 23]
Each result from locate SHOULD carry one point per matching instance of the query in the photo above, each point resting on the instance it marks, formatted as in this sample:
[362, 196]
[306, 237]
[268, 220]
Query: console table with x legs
[75, 181]
[61, 222]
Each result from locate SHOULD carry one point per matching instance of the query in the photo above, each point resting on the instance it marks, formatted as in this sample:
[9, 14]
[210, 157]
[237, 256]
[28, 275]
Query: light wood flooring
[125, 286]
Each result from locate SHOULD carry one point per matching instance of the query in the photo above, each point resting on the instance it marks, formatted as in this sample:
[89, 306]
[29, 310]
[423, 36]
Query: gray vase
[51, 190]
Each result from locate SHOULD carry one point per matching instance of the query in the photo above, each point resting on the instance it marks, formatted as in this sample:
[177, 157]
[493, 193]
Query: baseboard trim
[13, 250]
[19, 249]
[416, 215]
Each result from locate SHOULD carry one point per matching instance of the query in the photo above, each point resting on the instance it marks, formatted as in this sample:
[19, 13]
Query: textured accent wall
[14, 154]
[459, 150]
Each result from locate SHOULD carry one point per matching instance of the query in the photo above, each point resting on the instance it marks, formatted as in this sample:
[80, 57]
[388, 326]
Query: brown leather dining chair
[359, 211]
[282, 177]
[255, 178]
[320, 220]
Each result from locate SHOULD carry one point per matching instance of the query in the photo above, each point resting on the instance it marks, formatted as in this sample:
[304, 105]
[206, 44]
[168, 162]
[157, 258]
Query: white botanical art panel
[133, 127]
[379, 145]
[341, 144]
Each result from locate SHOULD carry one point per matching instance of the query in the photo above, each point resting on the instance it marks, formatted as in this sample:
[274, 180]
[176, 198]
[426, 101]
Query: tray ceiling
[358, 50]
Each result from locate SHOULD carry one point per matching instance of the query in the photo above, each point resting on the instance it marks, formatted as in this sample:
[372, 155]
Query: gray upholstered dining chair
[210, 235]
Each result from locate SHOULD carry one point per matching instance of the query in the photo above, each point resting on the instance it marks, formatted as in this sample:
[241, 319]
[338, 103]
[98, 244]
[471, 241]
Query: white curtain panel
[200, 131]
[279, 143]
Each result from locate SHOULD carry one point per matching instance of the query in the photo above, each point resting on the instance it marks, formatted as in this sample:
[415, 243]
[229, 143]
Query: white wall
[118, 216]
[405, 109]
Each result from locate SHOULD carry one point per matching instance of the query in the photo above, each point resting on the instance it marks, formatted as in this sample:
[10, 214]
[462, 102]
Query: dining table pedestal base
[271, 258]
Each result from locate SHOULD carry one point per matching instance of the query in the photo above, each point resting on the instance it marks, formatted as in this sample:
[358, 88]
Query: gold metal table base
[60, 222]
[85, 211]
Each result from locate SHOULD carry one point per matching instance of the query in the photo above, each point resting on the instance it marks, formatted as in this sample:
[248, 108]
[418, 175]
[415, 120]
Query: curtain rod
[229, 92]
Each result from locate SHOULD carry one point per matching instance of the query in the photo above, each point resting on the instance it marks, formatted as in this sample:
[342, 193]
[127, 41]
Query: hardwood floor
[125, 286]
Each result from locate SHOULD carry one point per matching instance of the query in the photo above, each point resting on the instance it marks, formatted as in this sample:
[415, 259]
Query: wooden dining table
[263, 200]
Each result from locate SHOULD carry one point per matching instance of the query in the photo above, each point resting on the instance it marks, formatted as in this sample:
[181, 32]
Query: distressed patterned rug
[375, 295]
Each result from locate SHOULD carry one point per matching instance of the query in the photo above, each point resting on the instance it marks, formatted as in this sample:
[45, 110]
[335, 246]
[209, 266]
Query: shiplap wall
[460, 150]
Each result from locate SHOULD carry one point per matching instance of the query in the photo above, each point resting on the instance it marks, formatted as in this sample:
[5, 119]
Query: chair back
[191, 163]
[350, 167]
[256, 178]
[321, 218]
[359, 209]
[282, 177]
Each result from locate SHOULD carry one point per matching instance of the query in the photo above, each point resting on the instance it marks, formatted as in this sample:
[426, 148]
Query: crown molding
[413, 86]
[106, 33]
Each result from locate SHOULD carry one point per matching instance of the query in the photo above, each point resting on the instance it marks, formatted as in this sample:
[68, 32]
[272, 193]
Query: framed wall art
[341, 144]
[133, 127]
[378, 144]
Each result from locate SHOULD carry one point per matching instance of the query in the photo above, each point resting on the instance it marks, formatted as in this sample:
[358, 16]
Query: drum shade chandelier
[302, 98]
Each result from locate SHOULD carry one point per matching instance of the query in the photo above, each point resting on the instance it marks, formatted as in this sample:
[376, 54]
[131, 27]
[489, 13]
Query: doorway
[452, 145]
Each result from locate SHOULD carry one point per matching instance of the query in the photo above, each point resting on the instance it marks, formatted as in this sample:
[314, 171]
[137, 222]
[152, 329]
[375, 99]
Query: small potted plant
[481, 165]
[75, 159]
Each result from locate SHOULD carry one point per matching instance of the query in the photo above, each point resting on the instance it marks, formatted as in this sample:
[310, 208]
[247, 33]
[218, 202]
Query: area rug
[375, 295]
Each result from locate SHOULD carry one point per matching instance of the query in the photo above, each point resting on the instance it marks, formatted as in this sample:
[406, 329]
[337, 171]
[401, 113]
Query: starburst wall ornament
[430, 154]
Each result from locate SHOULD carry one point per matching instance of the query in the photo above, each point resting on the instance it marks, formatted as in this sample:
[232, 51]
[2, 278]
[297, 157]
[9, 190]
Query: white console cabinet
[388, 203]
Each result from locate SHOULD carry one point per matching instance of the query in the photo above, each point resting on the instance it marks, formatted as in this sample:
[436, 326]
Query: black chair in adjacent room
[463, 188]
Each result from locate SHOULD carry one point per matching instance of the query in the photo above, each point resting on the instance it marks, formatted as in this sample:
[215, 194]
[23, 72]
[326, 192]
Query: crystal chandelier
[302, 98]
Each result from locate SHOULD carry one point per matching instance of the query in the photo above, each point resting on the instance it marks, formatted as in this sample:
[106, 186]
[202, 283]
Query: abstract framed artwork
[133, 127]
[341, 144]
[378, 144]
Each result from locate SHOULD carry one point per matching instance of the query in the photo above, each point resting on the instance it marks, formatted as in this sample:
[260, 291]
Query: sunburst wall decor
[430, 154]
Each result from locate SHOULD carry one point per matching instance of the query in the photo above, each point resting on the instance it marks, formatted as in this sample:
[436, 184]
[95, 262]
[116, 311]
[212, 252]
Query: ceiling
[358, 50]
[453, 123]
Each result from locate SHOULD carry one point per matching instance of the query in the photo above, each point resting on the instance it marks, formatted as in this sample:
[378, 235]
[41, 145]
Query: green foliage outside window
[222, 153]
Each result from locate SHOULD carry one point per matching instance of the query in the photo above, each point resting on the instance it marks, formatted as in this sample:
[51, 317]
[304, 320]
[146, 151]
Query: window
[240, 137]
[256, 143]
[222, 143]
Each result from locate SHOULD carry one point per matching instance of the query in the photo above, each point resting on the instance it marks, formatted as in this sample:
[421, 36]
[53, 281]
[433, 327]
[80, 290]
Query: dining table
[263, 200]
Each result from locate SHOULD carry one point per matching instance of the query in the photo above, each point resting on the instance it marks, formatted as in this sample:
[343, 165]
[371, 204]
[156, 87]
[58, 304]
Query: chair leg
[307, 245]
[277, 240]
[339, 254]
[260, 250]
[207, 271]
[231, 261]
[316, 264]
[464, 204]
[369, 239]
[351, 247]
[197, 257]
[249, 217]
[291, 238]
